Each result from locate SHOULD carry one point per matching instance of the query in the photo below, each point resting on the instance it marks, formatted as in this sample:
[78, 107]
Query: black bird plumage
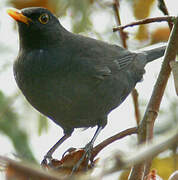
[74, 80]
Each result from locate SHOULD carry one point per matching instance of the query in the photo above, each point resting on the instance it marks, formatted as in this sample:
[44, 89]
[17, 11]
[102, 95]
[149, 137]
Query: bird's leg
[87, 150]
[48, 155]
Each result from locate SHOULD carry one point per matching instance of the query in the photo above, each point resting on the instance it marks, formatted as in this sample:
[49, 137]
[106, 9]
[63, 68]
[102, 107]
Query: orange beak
[18, 16]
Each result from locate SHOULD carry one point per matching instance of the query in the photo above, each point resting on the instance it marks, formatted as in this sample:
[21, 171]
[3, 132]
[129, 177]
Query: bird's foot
[46, 160]
[84, 159]
[48, 157]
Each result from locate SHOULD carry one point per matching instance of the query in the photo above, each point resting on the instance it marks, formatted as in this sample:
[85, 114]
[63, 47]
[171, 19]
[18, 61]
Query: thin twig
[146, 21]
[136, 105]
[163, 8]
[111, 139]
[123, 34]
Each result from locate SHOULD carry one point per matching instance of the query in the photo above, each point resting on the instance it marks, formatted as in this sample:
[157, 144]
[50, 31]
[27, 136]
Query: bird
[74, 80]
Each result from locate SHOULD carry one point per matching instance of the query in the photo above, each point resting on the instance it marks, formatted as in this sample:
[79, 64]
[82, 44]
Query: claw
[87, 154]
[46, 160]
[48, 156]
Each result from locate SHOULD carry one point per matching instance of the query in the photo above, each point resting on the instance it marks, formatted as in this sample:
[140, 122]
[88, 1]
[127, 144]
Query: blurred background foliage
[9, 126]
[81, 16]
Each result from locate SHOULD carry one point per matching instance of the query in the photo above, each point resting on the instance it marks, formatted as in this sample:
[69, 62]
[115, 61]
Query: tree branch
[111, 139]
[146, 21]
[123, 34]
[146, 126]
[163, 8]
[136, 105]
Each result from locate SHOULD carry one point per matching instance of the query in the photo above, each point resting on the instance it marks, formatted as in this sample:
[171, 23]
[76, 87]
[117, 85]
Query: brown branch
[163, 8]
[146, 127]
[136, 105]
[123, 34]
[146, 21]
[111, 139]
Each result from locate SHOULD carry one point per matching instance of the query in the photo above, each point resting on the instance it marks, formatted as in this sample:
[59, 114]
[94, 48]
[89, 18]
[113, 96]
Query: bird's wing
[103, 67]
[122, 62]
[101, 71]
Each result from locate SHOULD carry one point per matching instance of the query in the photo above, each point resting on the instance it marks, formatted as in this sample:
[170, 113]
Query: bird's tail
[155, 53]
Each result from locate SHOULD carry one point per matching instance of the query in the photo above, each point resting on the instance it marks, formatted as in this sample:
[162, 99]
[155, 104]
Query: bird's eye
[44, 18]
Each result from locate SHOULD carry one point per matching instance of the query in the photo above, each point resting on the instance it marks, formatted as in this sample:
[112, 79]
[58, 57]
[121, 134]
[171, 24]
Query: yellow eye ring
[44, 18]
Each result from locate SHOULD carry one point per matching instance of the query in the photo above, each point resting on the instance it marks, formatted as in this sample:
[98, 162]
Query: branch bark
[123, 34]
[110, 140]
[146, 21]
[146, 127]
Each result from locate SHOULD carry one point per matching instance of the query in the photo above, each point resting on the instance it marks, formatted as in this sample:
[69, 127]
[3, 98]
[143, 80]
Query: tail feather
[156, 53]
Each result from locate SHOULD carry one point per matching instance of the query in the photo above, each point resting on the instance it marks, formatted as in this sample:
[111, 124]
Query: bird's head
[37, 26]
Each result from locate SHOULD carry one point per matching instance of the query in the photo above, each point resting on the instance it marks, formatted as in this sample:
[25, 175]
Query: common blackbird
[74, 80]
